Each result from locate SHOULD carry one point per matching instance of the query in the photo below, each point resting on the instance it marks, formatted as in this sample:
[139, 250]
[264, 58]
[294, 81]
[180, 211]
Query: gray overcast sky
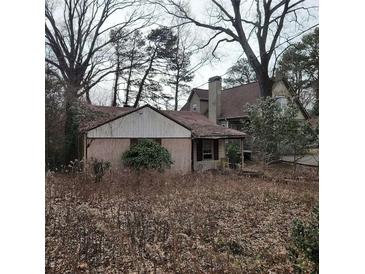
[228, 52]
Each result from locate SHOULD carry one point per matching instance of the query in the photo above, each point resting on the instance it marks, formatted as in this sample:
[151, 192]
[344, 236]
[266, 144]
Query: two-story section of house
[228, 107]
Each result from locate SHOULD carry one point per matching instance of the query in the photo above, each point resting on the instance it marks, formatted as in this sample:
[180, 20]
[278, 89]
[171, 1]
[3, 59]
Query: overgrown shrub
[99, 168]
[233, 153]
[277, 131]
[147, 155]
[304, 252]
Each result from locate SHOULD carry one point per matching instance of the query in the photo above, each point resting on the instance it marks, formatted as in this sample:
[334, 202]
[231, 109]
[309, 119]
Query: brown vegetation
[197, 223]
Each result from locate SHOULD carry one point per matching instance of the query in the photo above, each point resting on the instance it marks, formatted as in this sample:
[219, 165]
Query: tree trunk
[129, 81]
[88, 100]
[71, 126]
[316, 104]
[115, 88]
[141, 85]
[176, 94]
[48, 162]
[265, 83]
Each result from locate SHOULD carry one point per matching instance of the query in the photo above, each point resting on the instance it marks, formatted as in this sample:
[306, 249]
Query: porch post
[242, 153]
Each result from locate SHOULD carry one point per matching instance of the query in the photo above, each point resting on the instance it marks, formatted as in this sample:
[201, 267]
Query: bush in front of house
[233, 153]
[304, 250]
[147, 155]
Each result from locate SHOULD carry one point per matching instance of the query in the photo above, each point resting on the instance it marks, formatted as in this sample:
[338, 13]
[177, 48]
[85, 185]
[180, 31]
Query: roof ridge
[207, 90]
[240, 85]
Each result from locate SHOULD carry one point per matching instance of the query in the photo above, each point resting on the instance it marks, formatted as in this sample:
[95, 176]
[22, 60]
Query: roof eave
[218, 137]
[233, 117]
[215, 136]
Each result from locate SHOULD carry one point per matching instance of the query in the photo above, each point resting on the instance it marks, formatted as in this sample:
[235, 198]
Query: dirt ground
[215, 222]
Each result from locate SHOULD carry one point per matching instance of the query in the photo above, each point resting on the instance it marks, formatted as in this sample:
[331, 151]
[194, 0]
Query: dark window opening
[207, 149]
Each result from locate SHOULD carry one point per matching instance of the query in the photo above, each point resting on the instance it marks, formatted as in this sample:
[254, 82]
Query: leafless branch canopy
[78, 40]
[239, 20]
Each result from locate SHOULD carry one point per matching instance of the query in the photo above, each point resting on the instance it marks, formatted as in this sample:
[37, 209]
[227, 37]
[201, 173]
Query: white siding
[144, 123]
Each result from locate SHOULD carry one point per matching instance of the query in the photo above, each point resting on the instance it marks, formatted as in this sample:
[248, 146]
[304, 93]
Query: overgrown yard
[198, 223]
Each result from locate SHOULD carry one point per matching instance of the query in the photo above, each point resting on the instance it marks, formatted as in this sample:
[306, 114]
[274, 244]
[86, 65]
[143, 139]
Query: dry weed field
[154, 223]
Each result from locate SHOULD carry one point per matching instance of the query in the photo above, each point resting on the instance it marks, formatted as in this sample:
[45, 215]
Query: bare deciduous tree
[78, 42]
[256, 24]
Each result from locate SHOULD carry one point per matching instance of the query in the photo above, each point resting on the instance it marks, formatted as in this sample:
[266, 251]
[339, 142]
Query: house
[228, 107]
[230, 103]
[194, 141]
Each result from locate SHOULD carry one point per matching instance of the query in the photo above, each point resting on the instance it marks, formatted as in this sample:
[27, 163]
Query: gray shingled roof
[92, 116]
[202, 93]
[201, 126]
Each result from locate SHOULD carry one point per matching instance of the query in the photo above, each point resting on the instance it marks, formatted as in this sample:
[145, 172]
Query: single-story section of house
[194, 142]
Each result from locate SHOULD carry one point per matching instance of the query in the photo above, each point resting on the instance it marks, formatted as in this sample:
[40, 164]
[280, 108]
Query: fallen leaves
[166, 224]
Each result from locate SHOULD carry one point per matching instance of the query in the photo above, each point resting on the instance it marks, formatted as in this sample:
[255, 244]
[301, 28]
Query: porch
[211, 152]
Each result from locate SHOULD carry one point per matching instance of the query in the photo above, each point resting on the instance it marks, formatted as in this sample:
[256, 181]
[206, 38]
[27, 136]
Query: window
[135, 141]
[282, 102]
[207, 149]
[224, 123]
[194, 107]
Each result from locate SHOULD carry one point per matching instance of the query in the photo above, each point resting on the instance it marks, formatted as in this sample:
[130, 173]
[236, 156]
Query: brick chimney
[215, 90]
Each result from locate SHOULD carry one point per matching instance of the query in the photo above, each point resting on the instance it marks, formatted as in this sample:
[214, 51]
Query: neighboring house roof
[232, 98]
[199, 125]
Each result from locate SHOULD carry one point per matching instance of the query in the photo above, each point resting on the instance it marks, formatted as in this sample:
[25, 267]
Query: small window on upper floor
[194, 107]
[282, 101]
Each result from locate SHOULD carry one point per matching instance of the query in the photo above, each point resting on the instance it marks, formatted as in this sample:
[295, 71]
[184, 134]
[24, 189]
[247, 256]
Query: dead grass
[198, 223]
